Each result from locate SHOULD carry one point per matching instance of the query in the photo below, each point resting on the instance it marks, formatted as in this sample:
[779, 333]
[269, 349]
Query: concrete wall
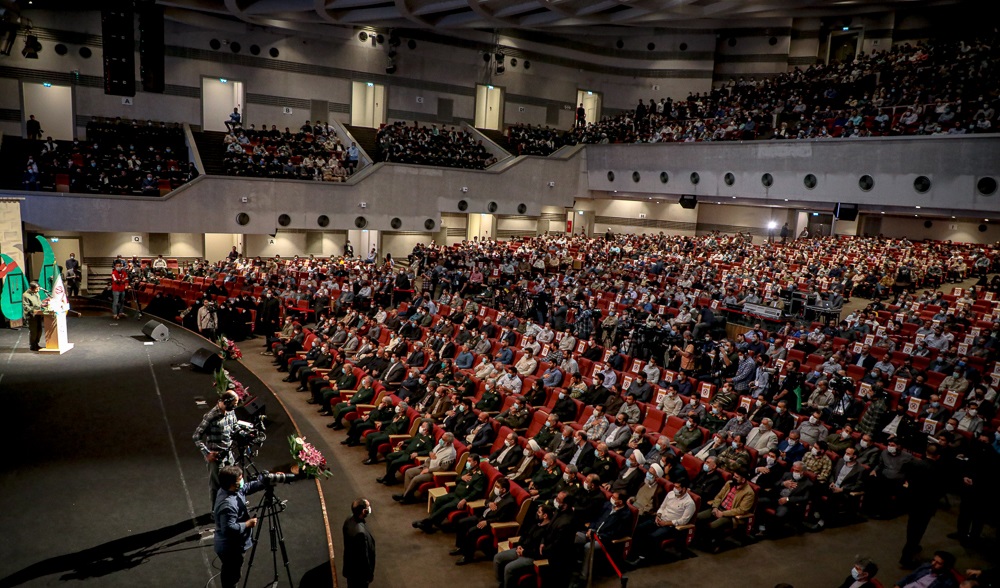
[964, 231]
[954, 164]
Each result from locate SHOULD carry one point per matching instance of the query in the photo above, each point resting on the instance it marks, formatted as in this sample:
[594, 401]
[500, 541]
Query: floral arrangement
[229, 349]
[310, 461]
[224, 382]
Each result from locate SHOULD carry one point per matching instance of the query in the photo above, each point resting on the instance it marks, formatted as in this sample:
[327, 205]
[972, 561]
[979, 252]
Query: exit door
[489, 107]
[591, 104]
[368, 106]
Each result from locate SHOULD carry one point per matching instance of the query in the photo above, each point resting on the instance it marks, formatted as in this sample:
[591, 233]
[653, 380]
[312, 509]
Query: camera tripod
[269, 508]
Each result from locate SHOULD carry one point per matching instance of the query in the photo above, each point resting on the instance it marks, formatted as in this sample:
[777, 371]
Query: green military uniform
[490, 401]
[464, 490]
[686, 439]
[377, 415]
[399, 425]
[362, 396]
[344, 382]
[606, 468]
[545, 481]
[514, 419]
[544, 436]
[419, 444]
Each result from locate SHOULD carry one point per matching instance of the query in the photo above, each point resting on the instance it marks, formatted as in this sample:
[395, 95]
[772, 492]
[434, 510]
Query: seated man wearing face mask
[676, 510]
[543, 482]
[500, 508]
[526, 466]
[507, 456]
[406, 451]
[791, 448]
[736, 498]
[789, 497]
[629, 479]
[440, 459]
[688, 436]
[470, 485]
[846, 478]
[399, 425]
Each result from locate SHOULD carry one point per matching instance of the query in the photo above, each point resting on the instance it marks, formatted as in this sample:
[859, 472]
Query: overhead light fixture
[917, 207]
[846, 28]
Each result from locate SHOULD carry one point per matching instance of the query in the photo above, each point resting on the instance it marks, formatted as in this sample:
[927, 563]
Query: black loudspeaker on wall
[207, 360]
[151, 61]
[689, 201]
[156, 330]
[118, 40]
[846, 212]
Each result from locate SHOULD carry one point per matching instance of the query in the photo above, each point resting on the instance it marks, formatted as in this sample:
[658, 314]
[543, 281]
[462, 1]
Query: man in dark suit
[507, 456]
[481, 435]
[392, 375]
[580, 454]
[864, 359]
[359, 546]
[846, 478]
[500, 508]
[709, 480]
[790, 496]
[615, 522]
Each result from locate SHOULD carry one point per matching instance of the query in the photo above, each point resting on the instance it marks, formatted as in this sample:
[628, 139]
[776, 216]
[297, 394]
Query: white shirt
[678, 511]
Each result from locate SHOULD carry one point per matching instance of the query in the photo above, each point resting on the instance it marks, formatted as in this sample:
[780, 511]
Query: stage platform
[101, 483]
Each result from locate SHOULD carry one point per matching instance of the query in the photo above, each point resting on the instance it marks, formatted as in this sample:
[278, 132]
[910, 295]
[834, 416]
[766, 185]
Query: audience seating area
[948, 339]
[141, 158]
[314, 152]
[402, 143]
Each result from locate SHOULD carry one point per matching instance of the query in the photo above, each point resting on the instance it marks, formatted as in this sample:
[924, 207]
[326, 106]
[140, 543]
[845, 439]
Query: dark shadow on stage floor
[115, 556]
[318, 577]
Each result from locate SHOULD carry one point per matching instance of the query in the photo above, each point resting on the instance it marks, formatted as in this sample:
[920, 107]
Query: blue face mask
[242, 483]
[597, 453]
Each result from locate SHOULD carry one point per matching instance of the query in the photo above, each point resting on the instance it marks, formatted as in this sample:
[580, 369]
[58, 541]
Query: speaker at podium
[156, 330]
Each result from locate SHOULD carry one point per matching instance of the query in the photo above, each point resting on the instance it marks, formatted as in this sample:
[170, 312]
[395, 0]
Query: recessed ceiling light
[883, 212]
[952, 216]
[918, 208]
[786, 199]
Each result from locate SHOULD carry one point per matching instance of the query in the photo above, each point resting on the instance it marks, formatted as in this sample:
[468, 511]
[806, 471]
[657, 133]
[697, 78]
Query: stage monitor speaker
[118, 47]
[251, 409]
[689, 201]
[207, 360]
[846, 212]
[156, 330]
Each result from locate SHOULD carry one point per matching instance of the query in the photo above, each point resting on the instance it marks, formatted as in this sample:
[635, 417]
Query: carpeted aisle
[101, 482]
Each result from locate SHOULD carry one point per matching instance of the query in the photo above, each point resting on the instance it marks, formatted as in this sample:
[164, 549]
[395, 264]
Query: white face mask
[796, 476]
[892, 450]
[527, 452]
[813, 420]
[863, 444]
[792, 442]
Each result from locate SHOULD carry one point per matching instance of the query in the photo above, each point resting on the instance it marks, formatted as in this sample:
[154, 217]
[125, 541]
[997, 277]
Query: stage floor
[101, 481]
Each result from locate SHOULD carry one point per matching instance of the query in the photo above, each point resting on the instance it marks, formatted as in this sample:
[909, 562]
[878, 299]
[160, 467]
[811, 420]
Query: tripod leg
[284, 552]
[253, 552]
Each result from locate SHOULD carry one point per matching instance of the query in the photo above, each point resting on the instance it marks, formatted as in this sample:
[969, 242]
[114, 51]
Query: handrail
[193, 152]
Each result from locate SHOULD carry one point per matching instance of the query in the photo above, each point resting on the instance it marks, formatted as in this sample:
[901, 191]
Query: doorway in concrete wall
[219, 96]
[489, 107]
[591, 102]
[368, 105]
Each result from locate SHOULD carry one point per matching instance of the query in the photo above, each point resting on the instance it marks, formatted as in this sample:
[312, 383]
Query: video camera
[248, 434]
[273, 478]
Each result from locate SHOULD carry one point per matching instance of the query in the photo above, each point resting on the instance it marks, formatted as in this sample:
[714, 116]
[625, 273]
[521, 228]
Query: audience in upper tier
[314, 152]
[119, 157]
[935, 87]
[402, 143]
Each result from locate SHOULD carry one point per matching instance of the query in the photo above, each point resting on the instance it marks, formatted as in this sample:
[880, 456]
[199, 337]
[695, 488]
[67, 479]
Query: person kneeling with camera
[233, 535]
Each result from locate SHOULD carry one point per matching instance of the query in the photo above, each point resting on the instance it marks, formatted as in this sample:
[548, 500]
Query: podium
[54, 331]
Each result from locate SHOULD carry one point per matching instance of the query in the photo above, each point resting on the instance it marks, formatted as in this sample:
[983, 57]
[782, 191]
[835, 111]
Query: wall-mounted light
[371, 84]
[224, 80]
[47, 84]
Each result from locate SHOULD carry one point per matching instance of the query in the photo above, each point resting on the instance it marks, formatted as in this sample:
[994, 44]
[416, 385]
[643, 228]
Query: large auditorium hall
[516, 293]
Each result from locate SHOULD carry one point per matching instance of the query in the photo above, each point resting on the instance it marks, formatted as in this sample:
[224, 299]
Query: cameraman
[233, 535]
[214, 436]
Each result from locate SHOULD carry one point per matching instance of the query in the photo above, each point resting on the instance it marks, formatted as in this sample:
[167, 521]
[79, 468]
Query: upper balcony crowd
[940, 86]
[119, 156]
[314, 152]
